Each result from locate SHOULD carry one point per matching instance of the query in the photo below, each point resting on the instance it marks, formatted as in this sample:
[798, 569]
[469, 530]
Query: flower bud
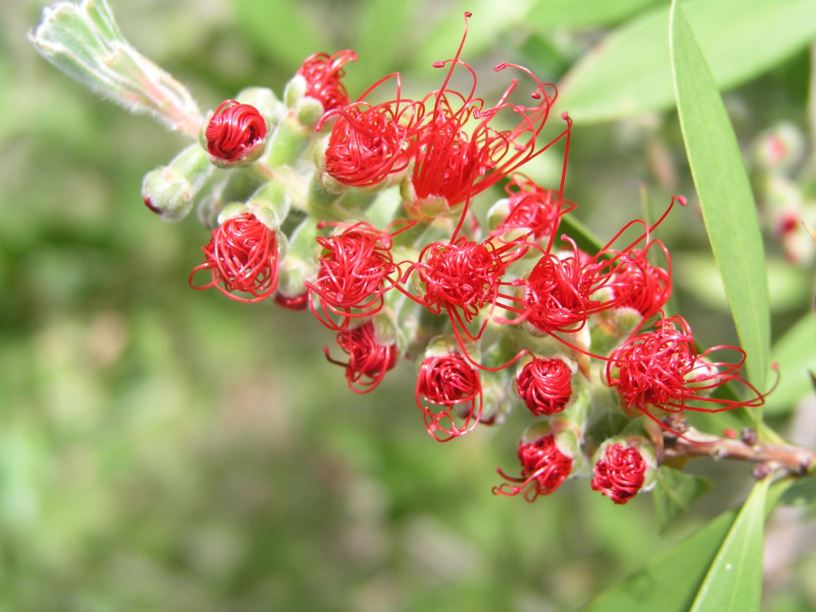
[780, 148]
[235, 134]
[545, 385]
[547, 460]
[624, 467]
[169, 190]
[267, 103]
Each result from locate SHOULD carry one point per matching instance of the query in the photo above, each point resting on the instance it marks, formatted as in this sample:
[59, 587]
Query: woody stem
[793, 459]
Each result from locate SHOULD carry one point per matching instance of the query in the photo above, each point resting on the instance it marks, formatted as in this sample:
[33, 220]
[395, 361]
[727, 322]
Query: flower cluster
[507, 311]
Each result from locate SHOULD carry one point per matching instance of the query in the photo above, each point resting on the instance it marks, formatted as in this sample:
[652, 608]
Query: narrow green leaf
[279, 29]
[674, 493]
[628, 73]
[801, 493]
[725, 195]
[795, 356]
[734, 580]
[566, 14]
[672, 581]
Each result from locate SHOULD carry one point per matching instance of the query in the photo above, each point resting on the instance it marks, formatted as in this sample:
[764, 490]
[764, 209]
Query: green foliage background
[162, 449]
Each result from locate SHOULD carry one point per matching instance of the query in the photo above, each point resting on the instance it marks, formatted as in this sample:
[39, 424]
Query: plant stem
[793, 459]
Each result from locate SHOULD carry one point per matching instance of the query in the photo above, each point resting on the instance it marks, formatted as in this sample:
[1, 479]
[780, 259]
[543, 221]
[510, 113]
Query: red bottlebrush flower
[545, 385]
[531, 207]
[368, 359]
[544, 468]
[356, 269]
[368, 143]
[298, 302]
[241, 256]
[449, 394]
[323, 74]
[459, 153]
[235, 132]
[641, 285]
[663, 369]
[619, 473]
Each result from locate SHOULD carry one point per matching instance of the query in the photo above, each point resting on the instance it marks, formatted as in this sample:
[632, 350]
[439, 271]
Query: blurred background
[162, 449]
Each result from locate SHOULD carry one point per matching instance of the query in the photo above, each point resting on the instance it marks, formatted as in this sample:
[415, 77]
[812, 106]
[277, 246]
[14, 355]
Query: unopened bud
[169, 190]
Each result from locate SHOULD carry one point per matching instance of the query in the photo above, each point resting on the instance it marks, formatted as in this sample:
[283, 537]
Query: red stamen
[544, 468]
[641, 285]
[355, 271]
[241, 256]
[662, 369]
[531, 207]
[368, 360]
[449, 394]
[235, 131]
[619, 473]
[323, 74]
[545, 385]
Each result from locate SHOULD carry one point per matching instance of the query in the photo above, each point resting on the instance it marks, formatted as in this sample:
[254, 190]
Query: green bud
[169, 190]
[294, 91]
[271, 204]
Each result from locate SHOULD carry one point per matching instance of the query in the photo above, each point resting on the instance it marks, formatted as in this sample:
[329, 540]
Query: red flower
[619, 473]
[459, 152]
[531, 207]
[367, 143]
[662, 369]
[353, 275]
[323, 74]
[235, 132]
[641, 285]
[545, 385]
[241, 256]
[544, 467]
[368, 361]
[449, 394]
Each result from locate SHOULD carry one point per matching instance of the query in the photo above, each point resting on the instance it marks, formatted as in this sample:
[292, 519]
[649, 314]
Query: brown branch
[795, 460]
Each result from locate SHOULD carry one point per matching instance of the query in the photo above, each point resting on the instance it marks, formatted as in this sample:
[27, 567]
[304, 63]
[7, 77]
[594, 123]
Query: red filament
[368, 359]
[619, 473]
[234, 131]
[449, 394]
[323, 74]
[545, 385]
[544, 468]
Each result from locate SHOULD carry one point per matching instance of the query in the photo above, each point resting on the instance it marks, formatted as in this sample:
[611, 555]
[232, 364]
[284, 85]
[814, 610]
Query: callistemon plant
[358, 209]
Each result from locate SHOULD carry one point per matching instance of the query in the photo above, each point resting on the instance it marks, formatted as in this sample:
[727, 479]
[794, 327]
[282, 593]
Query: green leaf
[566, 14]
[725, 195]
[674, 579]
[734, 580]
[795, 356]
[628, 73]
[674, 493]
[279, 29]
[801, 493]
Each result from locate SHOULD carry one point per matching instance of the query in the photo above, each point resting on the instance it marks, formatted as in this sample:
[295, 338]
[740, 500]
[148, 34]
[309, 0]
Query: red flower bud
[544, 467]
[323, 74]
[354, 273]
[368, 361]
[241, 256]
[449, 394]
[235, 132]
[619, 473]
[545, 385]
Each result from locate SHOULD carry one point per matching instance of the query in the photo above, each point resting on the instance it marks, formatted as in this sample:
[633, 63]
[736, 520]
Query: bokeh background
[162, 449]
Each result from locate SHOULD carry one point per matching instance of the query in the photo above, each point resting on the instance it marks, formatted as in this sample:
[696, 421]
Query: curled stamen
[619, 473]
[235, 131]
[545, 385]
[323, 74]
[641, 285]
[297, 302]
[368, 359]
[449, 394]
[544, 468]
[662, 369]
[353, 275]
[530, 207]
[241, 256]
